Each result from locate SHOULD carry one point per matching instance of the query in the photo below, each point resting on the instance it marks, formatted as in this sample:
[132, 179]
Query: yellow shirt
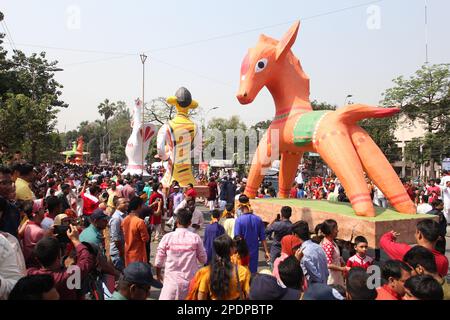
[23, 191]
[244, 280]
[446, 288]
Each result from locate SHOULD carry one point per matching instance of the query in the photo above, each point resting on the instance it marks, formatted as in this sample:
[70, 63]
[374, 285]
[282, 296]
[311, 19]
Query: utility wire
[9, 36]
[190, 43]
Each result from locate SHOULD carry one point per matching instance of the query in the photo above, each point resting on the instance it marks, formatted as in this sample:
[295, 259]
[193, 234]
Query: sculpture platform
[316, 211]
[202, 191]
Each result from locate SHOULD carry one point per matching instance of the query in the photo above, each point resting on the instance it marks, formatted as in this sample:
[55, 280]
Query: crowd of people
[85, 232]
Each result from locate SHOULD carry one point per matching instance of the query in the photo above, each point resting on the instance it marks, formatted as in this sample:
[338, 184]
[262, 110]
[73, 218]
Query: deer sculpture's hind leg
[380, 171]
[288, 168]
[260, 162]
[336, 148]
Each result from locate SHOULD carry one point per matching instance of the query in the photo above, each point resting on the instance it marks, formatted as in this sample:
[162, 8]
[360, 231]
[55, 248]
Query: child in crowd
[228, 220]
[360, 259]
[242, 255]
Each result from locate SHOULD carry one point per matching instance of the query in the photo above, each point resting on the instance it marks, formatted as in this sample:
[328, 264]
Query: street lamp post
[206, 114]
[143, 58]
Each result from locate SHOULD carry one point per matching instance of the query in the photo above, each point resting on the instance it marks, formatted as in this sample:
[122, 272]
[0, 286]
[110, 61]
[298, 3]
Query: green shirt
[92, 235]
[117, 296]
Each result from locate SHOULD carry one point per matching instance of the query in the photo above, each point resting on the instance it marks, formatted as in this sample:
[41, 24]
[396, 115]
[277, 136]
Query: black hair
[155, 187]
[244, 199]
[430, 229]
[291, 273]
[229, 207]
[301, 230]
[286, 212]
[53, 202]
[5, 170]
[221, 266]
[393, 268]
[215, 213]
[328, 226]
[65, 186]
[419, 255]
[135, 203]
[184, 217]
[436, 203]
[357, 286]
[424, 287]
[360, 239]
[47, 251]
[32, 287]
[27, 208]
[425, 198]
[241, 246]
[15, 167]
[25, 169]
[190, 185]
[95, 190]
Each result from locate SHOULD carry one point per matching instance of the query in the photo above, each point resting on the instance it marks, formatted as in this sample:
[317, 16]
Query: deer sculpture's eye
[261, 65]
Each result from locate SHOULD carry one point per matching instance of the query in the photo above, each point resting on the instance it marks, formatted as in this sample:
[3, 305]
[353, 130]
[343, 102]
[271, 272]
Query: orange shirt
[135, 235]
[233, 294]
[386, 293]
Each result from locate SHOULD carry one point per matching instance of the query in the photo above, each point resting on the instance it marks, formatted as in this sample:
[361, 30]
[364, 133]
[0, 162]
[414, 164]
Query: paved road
[154, 294]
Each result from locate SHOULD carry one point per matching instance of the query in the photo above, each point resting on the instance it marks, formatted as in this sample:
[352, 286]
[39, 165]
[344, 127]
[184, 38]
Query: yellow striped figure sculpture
[178, 140]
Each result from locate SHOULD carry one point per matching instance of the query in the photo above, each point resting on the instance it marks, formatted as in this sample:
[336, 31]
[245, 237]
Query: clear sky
[340, 53]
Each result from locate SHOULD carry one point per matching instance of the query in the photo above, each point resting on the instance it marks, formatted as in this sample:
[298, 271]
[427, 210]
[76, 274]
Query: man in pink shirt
[179, 252]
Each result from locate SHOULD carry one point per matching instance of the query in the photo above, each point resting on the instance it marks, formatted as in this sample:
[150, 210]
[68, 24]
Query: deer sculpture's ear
[287, 41]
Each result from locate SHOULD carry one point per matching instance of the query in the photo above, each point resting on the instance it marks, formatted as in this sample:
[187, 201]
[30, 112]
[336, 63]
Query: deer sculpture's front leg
[262, 160]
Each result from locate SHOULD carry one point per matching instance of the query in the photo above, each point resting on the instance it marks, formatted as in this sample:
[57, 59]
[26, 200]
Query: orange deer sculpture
[344, 146]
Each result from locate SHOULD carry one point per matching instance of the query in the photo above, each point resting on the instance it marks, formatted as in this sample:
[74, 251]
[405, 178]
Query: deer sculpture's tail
[353, 113]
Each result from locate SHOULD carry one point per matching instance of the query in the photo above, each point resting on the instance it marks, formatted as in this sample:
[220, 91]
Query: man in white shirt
[445, 192]
[424, 206]
[10, 271]
[379, 198]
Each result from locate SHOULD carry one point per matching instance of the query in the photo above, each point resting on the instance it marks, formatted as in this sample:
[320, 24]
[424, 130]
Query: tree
[316, 105]
[29, 102]
[26, 124]
[424, 97]
[107, 110]
[158, 111]
[382, 132]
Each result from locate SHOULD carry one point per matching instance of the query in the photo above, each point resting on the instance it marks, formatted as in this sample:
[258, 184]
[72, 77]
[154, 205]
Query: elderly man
[136, 282]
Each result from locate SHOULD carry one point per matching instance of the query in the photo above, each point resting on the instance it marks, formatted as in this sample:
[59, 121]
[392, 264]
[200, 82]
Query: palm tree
[107, 110]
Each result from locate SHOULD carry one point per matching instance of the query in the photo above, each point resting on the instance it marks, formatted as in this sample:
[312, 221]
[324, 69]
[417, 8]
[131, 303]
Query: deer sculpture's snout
[243, 97]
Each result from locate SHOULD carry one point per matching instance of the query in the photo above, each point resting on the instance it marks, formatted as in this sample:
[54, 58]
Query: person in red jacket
[427, 234]
[190, 191]
[47, 252]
